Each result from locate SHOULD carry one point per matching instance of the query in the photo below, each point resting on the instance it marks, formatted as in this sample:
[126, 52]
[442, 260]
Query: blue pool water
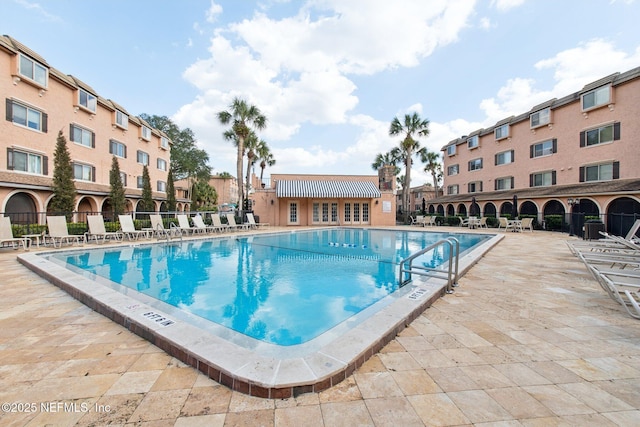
[284, 289]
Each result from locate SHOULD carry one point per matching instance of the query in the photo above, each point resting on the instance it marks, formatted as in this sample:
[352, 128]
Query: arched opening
[107, 210]
[528, 208]
[85, 207]
[489, 210]
[432, 209]
[440, 210]
[21, 208]
[621, 214]
[474, 209]
[451, 211]
[554, 215]
[462, 209]
[506, 209]
[163, 206]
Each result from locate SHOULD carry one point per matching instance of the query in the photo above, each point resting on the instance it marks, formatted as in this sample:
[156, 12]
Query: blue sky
[330, 75]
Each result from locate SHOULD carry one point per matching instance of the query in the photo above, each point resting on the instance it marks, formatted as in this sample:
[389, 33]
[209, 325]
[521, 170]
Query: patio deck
[529, 338]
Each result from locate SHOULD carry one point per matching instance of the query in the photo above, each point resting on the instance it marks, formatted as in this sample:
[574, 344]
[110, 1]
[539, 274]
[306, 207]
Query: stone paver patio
[528, 339]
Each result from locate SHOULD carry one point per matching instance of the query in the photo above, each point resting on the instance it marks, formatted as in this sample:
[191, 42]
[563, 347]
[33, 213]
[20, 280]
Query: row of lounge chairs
[423, 220]
[58, 233]
[614, 262]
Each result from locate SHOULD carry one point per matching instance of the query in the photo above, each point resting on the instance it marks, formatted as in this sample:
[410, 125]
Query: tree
[265, 156]
[147, 204]
[204, 196]
[64, 189]
[412, 128]
[116, 194]
[432, 166]
[171, 192]
[387, 159]
[243, 117]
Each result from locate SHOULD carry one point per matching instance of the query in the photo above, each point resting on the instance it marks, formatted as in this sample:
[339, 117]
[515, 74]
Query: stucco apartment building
[578, 153]
[39, 102]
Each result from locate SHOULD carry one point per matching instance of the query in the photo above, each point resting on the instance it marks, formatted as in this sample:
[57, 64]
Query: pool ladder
[451, 273]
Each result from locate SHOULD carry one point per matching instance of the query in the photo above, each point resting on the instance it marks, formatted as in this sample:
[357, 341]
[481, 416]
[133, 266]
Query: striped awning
[327, 189]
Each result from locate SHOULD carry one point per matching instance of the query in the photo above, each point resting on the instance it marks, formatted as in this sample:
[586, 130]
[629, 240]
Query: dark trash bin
[592, 230]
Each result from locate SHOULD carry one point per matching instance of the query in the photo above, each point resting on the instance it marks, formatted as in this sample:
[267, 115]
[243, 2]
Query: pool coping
[240, 368]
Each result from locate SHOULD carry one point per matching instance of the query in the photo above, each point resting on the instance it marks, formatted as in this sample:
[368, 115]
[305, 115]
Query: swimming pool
[252, 308]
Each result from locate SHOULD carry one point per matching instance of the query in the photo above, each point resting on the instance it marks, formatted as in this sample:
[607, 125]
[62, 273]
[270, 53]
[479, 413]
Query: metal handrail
[450, 274]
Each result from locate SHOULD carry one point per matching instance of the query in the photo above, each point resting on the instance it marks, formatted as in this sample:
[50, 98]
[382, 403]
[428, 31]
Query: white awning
[327, 189]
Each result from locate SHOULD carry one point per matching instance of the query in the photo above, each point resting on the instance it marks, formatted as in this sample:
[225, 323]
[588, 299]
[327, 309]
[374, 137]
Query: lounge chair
[6, 235]
[464, 222]
[429, 220]
[526, 223]
[97, 230]
[621, 286]
[199, 224]
[183, 225]
[418, 220]
[159, 231]
[217, 222]
[128, 228]
[251, 220]
[58, 231]
[483, 222]
[231, 220]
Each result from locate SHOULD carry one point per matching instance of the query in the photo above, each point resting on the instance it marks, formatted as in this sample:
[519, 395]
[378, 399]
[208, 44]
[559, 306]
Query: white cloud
[504, 5]
[213, 12]
[38, 9]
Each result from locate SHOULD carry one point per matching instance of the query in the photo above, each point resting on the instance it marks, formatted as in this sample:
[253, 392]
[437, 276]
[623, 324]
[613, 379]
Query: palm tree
[242, 117]
[265, 156]
[251, 145]
[387, 159]
[413, 125]
[432, 165]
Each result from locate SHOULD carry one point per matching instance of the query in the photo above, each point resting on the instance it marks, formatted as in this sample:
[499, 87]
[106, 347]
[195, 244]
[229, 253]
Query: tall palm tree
[265, 156]
[412, 127]
[243, 117]
[251, 146]
[432, 165]
[387, 159]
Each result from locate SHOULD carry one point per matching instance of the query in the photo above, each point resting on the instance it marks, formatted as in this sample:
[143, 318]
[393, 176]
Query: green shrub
[553, 222]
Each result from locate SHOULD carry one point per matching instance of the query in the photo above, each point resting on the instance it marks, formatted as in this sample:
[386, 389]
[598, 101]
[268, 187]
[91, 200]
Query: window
[453, 170]
[504, 158]
[542, 179]
[145, 132]
[601, 135]
[122, 120]
[87, 100]
[143, 158]
[123, 179]
[139, 182]
[26, 162]
[601, 172]
[453, 189]
[501, 132]
[347, 212]
[504, 183]
[82, 136]
[596, 98]
[540, 118]
[334, 212]
[24, 115]
[118, 149]
[473, 142]
[83, 172]
[474, 187]
[162, 186]
[164, 143]
[162, 164]
[365, 212]
[545, 148]
[33, 70]
[451, 150]
[475, 164]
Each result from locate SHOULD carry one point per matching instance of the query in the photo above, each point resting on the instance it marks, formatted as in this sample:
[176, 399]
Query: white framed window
[453, 170]
[162, 186]
[139, 182]
[293, 212]
[542, 149]
[83, 172]
[162, 164]
[142, 158]
[117, 148]
[145, 133]
[600, 135]
[451, 150]
[33, 70]
[473, 142]
[123, 179]
[365, 212]
[596, 98]
[453, 189]
[504, 183]
[501, 132]
[542, 179]
[601, 172]
[164, 143]
[24, 161]
[474, 187]
[504, 157]
[26, 116]
[82, 136]
[475, 164]
[540, 118]
[347, 212]
[122, 120]
[87, 100]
